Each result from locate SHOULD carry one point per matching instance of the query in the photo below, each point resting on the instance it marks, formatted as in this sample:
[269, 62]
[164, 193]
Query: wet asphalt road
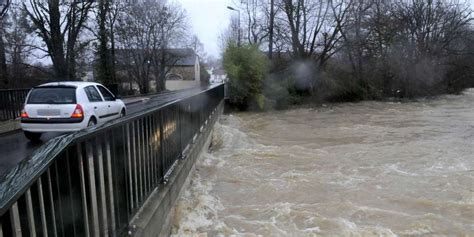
[14, 147]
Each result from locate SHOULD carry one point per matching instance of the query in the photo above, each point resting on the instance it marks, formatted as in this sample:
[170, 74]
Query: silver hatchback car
[68, 107]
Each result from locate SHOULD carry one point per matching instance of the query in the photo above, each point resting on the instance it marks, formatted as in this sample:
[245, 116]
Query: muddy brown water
[356, 169]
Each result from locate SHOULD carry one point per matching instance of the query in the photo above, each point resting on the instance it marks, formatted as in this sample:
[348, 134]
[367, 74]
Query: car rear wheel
[92, 122]
[122, 114]
[32, 136]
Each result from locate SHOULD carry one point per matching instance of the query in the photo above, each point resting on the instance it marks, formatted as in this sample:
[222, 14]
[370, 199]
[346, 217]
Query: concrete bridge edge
[155, 217]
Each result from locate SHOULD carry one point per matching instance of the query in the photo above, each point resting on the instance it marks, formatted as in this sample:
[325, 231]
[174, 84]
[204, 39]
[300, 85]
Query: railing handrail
[12, 186]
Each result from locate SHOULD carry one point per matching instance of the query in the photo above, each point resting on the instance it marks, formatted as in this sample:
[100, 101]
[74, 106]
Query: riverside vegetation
[337, 51]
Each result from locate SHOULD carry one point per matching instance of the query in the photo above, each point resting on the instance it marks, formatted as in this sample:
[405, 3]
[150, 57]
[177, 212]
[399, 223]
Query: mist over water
[362, 169]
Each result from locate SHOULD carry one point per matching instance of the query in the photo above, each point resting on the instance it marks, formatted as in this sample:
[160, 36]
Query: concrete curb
[9, 126]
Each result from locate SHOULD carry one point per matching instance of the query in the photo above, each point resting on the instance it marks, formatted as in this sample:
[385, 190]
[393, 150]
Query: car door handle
[95, 107]
[109, 106]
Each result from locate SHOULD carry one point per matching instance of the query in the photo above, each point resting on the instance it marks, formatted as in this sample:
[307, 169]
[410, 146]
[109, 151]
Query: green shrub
[247, 69]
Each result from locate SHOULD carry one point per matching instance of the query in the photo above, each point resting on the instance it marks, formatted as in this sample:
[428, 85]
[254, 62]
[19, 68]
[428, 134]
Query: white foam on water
[197, 209]
[397, 169]
[358, 170]
[349, 228]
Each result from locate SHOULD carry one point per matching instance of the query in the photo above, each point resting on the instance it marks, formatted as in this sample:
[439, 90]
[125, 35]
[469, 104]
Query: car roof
[77, 84]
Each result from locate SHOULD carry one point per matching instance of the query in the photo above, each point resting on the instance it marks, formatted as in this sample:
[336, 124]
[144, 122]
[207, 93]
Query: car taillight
[24, 114]
[78, 112]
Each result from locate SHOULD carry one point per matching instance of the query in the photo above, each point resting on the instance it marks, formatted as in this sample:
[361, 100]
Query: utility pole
[233, 9]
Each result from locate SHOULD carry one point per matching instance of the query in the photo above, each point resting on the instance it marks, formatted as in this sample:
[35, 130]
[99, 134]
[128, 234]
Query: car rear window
[52, 95]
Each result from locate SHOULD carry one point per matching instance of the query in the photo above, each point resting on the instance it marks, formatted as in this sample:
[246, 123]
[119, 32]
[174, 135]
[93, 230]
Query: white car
[68, 107]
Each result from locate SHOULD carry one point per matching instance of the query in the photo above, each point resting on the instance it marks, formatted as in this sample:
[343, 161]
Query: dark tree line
[69, 35]
[3, 61]
[362, 49]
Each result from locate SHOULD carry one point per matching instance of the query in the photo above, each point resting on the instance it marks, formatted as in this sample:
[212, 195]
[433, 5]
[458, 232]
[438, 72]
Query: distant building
[218, 75]
[182, 68]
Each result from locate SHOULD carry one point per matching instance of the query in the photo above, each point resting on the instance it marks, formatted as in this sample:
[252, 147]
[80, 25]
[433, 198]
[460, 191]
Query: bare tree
[145, 30]
[59, 24]
[18, 46]
[356, 37]
[135, 29]
[315, 27]
[172, 33]
[104, 68]
[427, 32]
[255, 20]
[271, 28]
[107, 14]
[230, 35]
[4, 6]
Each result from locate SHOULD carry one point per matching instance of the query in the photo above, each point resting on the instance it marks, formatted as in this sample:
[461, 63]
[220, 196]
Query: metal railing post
[162, 150]
[180, 125]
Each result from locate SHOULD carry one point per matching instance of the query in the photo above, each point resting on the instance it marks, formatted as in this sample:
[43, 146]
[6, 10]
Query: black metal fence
[92, 183]
[11, 103]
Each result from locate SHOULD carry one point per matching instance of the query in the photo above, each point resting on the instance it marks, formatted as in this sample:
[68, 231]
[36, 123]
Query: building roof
[182, 57]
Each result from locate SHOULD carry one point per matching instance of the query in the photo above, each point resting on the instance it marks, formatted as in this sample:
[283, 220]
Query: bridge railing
[93, 182]
[11, 103]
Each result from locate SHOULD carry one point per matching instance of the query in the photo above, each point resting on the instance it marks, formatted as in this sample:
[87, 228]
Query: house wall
[197, 70]
[180, 85]
[191, 77]
[187, 73]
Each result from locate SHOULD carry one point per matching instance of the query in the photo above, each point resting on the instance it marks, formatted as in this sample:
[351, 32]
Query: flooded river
[362, 169]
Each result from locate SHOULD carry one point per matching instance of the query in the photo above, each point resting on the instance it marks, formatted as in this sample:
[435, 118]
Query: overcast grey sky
[210, 17]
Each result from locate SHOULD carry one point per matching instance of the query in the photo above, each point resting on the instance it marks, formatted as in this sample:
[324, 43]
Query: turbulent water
[362, 169]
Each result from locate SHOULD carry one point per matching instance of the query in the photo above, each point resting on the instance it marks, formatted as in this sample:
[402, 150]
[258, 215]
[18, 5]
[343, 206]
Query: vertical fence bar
[119, 176]
[29, 211]
[135, 167]
[158, 162]
[102, 204]
[92, 190]
[42, 208]
[51, 204]
[149, 145]
[15, 218]
[110, 190]
[162, 149]
[83, 190]
[146, 156]
[140, 161]
[129, 162]
[68, 188]
[58, 196]
[153, 150]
